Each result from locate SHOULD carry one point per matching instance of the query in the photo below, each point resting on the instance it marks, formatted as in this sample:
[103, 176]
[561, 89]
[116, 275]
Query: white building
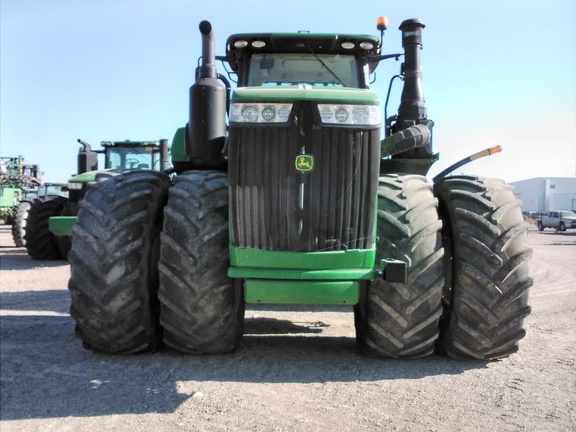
[546, 193]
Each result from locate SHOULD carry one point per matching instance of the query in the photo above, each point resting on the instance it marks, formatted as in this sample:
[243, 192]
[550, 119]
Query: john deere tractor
[50, 218]
[286, 193]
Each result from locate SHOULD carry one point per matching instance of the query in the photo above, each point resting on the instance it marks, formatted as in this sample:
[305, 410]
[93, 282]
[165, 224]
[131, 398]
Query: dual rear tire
[467, 295]
[131, 285]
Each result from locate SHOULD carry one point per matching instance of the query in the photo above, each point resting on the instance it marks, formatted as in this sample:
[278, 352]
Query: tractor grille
[274, 206]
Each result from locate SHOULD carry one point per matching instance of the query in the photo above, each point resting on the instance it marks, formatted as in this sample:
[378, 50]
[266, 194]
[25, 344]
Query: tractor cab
[127, 155]
[317, 60]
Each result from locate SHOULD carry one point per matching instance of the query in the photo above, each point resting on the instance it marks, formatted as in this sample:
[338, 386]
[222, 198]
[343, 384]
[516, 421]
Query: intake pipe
[407, 139]
[412, 110]
[206, 132]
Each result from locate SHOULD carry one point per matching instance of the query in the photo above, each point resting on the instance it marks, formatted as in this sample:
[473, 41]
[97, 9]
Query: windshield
[319, 70]
[129, 158]
[569, 214]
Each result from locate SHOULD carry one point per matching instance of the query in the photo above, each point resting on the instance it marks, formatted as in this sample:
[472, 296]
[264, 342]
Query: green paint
[304, 92]
[87, 177]
[178, 148]
[61, 225]
[332, 260]
[8, 195]
[292, 36]
[305, 292]
[295, 274]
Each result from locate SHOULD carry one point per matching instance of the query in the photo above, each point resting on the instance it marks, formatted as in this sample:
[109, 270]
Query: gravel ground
[295, 370]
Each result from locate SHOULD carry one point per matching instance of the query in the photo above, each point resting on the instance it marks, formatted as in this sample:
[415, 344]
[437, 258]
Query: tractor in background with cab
[50, 218]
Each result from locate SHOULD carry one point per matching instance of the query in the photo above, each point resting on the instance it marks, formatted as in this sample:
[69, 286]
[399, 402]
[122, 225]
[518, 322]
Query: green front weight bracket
[61, 225]
[301, 292]
[281, 277]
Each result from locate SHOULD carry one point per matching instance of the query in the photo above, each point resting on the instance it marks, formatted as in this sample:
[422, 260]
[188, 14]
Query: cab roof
[246, 44]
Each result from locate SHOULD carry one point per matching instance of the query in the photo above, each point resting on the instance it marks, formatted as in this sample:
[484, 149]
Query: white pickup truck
[560, 220]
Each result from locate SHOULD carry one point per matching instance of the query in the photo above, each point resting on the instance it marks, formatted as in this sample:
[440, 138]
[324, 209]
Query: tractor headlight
[260, 113]
[250, 114]
[355, 115]
[75, 186]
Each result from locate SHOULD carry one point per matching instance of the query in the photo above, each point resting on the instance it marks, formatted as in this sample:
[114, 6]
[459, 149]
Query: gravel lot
[295, 371]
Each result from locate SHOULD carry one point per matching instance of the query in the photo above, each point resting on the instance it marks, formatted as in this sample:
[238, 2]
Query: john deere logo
[304, 162]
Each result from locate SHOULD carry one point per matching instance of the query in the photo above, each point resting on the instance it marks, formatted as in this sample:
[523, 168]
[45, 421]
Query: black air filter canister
[207, 123]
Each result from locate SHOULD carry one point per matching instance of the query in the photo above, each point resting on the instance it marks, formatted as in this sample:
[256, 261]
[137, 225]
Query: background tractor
[50, 218]
[286, 193]
[19, 182]
[43, 192]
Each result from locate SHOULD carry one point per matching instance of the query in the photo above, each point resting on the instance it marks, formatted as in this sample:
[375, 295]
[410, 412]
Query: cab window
[318, 70]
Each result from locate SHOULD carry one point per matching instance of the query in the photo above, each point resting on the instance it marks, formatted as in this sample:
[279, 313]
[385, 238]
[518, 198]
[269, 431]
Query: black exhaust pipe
[87, 159]
[165, 163]
[412, 110]
[207, 124]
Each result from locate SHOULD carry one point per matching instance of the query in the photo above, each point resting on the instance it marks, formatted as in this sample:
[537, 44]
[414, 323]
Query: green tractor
[18, 182]
[50, 218]
[285, 193]
[30, 197]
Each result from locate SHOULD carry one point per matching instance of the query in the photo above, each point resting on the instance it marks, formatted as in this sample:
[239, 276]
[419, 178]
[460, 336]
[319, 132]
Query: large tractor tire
[19, 223]
[114, 262]
[487, 279]
[400, 320]
[41, 244]
[202, 310]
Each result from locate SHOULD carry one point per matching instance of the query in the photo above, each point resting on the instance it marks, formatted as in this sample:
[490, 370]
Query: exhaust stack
[207, 123]
[164, 155]
[87, 158]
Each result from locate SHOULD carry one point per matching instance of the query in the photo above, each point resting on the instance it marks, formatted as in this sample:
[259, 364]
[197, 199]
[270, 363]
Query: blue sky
[495, 72]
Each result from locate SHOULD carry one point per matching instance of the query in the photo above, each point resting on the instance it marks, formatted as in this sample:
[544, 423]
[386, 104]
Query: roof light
[348, 45]
[240, 44]
[366, 45]
[382, 23]
[258, 44]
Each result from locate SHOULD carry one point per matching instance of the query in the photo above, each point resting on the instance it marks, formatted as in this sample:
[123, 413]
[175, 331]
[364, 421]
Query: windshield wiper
[326, 66]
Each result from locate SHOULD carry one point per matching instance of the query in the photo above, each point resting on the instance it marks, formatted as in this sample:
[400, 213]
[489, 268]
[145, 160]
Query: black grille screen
[274, 206]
